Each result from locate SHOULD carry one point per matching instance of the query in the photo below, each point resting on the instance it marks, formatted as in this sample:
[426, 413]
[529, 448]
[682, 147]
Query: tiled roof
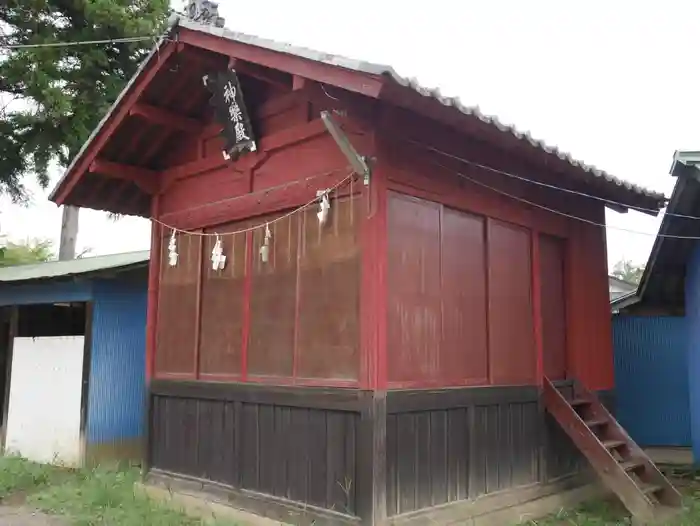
[370, 68]
[388, 72]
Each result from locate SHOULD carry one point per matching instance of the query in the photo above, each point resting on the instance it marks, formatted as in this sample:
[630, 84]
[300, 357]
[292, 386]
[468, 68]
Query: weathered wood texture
[298, 445]
[460, 444]
[356, 453]
[461, 281]
[460, 297]
[294, 317]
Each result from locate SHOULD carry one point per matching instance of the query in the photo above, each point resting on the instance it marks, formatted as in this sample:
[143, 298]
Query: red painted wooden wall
[422, 279]
[295, 318]
[468, 301]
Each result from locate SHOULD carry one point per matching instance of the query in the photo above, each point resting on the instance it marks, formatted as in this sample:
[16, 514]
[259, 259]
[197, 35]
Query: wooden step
[649, 489]
[632, 465]
[596, 422]
[602, 440]
[613, 444]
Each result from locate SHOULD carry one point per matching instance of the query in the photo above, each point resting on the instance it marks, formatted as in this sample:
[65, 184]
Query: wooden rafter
[157, 61]
[268, 75]
[364, 84]
[146, 180]
[215, 62]
[159, 141]
[166, 118]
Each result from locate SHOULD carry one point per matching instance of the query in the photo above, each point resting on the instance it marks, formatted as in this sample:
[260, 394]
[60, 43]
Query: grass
[610, 512]
[87, 497]
[103, 496]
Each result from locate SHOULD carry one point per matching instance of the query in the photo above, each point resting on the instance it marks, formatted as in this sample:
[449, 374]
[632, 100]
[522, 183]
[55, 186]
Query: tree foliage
[51, 98]
[31, 251]
[628, 271]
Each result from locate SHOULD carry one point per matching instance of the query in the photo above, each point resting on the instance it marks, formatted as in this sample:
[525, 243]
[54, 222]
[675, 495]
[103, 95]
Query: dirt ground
[18, 516]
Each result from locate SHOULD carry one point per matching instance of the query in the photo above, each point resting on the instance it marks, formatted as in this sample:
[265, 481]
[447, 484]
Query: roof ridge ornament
[204, 12]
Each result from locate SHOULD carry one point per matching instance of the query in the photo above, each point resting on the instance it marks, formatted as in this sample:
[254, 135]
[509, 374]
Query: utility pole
[69, 232]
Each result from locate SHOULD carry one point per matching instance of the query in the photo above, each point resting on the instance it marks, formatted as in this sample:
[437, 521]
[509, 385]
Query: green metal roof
[73, 267]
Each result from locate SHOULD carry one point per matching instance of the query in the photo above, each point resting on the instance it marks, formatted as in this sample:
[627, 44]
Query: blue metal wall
[651, 379]
[692, 313]
[117, 368]
[45, 292]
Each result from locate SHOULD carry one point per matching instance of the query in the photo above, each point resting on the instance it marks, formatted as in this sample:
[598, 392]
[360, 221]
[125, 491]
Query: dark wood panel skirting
[337, 399]
[357, 455]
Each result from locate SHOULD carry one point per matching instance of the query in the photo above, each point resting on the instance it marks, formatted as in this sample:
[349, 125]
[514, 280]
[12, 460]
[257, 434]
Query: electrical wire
[541, 183]
[78, 43]
[564, 214]
[261, 225]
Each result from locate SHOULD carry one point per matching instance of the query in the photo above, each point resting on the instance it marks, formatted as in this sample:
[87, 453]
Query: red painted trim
[328, 74]
[537, 306]
[298, 82]
[269, 144]
[381, 298]
[247, 292]
[276, 78]
[146, 180]
[198, 307]
[297, 299]
[309, 382]
[476, 200]
[163, 117]
[421, 384]
[373, 293]
[270, 200]
[174, 376]
[153, 289]
[213, 377]
[487, 292]
[157, 142]
[72, 178]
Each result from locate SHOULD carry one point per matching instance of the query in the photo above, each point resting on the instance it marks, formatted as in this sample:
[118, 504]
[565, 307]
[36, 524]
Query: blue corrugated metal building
[656, 329]
[105, 298]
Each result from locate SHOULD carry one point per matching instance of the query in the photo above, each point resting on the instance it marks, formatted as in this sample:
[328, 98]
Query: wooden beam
[150, 150]
[116, 116]
[298, 83]
[146, 180]
[259, 203]
[166, 118]
[268, 75]
[366, 84]
[243, 67]
[267, 145]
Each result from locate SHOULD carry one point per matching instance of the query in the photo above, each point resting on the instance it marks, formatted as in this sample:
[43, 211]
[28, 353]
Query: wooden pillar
[373, 292]
[371, 460]
[153, 287]
[537, 306]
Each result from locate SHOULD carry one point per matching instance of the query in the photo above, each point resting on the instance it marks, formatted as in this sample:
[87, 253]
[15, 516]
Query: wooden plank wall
[276, 443]
[294, 318]
[468, 443]
[460, 298]
[306, 444]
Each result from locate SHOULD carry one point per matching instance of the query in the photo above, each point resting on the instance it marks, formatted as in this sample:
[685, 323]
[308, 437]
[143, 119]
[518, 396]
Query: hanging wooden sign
[231, 112]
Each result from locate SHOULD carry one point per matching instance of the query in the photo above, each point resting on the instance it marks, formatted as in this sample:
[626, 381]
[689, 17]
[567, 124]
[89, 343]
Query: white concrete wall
[43, 422]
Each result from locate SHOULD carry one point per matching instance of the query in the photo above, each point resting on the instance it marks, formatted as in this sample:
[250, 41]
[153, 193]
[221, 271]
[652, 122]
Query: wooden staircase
[619, 461]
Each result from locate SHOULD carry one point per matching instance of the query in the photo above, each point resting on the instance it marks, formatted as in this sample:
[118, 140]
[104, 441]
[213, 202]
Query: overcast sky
[611, 82]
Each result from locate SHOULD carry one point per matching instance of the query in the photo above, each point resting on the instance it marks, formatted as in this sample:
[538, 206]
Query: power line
[543, 184]
[124, 40]
[564, 214]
